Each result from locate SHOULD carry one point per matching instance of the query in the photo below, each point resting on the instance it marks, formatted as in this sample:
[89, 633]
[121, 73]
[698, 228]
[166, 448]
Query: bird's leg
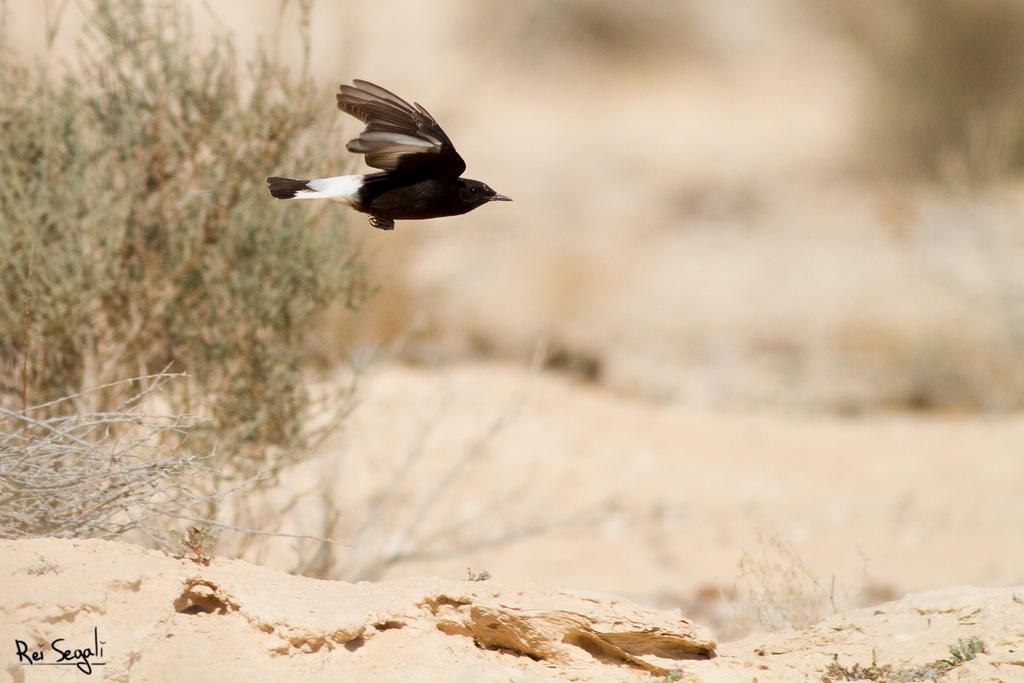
[382, 223]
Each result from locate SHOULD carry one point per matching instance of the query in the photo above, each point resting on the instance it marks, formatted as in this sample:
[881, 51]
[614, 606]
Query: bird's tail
[286, 188]
[343, 188]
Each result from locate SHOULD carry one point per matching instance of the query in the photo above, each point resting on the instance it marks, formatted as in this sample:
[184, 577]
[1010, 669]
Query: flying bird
[420, 170]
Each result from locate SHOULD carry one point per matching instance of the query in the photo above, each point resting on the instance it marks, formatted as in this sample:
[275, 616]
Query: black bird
[421, 168]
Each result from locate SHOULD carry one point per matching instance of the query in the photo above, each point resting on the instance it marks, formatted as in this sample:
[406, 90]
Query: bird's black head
[473, 193]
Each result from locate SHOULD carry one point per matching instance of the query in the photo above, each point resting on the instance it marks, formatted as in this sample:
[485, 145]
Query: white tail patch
[342, 188]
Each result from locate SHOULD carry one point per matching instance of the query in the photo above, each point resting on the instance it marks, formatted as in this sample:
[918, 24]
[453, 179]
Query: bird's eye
[472, 190]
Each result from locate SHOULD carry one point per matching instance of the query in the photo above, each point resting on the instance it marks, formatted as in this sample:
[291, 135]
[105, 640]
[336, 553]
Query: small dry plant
[961, 652]
[482, 575]
[130, 471]
[196, 544]
[776, 585]
[73, 474]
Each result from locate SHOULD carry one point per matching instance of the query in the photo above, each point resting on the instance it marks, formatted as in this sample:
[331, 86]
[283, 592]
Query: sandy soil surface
[540, 478]
[158, 618]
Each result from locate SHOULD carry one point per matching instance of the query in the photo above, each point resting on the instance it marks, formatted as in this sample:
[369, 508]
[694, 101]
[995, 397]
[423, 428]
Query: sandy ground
[540, 478]
[158, 619]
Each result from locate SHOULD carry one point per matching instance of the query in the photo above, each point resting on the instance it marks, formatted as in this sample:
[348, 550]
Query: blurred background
[771, 203]
[749, 341]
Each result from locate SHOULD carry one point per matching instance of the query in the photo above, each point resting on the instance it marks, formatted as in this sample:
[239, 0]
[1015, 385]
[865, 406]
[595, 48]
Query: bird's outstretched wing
[399, 136]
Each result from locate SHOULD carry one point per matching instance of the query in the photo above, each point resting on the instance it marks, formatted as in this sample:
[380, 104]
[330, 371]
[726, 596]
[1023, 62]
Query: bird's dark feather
[285, 188]
[404, 196]
[399, 136]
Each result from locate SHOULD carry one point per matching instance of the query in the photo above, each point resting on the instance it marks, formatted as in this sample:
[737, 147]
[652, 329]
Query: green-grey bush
[136, 233]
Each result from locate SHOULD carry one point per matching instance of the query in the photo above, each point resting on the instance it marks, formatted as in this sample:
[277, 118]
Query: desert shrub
[943, 81]
[780, 588]
[136, 233]
[962, 651]
[83, 473]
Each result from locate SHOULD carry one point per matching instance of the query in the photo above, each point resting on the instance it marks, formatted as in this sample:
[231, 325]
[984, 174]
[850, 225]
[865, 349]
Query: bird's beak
[500, 198]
